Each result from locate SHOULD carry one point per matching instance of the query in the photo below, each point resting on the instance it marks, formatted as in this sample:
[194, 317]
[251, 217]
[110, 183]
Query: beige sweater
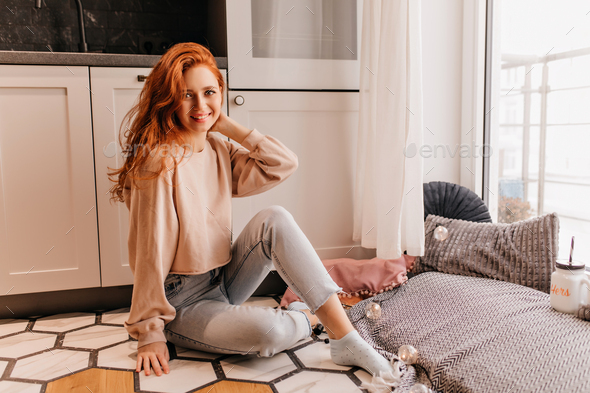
[186, 229]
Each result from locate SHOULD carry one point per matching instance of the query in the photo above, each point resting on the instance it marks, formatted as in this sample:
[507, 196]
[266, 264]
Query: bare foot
[313, 319]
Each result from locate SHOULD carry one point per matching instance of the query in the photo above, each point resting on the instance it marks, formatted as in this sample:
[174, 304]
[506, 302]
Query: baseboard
[273, 284]
[34, 305]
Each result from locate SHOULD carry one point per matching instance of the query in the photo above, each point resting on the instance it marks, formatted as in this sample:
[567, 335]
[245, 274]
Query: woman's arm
[152, 241]
[260, 163]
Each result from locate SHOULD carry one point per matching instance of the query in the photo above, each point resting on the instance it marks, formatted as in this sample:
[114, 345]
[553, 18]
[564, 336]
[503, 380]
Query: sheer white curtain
[388, 197]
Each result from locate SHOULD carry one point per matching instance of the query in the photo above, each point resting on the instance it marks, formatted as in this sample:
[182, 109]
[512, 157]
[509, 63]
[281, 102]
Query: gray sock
[353, 350]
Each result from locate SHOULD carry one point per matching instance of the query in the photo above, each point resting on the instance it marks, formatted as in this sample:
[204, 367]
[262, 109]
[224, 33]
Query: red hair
[155, 122]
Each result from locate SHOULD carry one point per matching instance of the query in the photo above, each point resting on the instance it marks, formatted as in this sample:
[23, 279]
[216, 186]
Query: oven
[294, 44]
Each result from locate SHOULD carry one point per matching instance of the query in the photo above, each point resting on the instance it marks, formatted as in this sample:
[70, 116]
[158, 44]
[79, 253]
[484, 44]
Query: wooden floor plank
[236, 387]
[95, 380]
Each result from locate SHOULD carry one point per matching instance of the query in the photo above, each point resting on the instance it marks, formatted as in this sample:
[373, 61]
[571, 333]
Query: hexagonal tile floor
[93, 352]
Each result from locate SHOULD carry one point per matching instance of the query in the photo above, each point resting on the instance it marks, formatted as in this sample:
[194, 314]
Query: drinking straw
[572, 250]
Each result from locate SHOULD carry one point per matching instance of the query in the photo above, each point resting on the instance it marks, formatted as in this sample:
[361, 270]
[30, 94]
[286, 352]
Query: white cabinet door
[309, 45]
[321, 128]
[114, 92]
[48, 219]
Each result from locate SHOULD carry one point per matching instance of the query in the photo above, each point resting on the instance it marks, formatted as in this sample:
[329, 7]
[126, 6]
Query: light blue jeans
[210, 316]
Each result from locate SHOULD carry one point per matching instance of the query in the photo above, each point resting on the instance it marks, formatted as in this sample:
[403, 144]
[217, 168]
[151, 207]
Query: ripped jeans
[209, 314]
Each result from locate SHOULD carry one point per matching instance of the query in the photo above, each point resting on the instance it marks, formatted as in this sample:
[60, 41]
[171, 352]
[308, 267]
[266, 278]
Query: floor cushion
[477, 334]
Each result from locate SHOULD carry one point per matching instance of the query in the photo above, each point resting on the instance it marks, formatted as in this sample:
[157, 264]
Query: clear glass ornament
[441, 233]
[408, 354]
[373, 310]
[419, 388]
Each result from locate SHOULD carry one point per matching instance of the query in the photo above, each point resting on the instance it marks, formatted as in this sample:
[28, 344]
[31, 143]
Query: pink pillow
[362, 277]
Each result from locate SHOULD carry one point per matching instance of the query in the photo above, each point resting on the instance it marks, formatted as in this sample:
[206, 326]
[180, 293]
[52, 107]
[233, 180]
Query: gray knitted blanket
[479, 335]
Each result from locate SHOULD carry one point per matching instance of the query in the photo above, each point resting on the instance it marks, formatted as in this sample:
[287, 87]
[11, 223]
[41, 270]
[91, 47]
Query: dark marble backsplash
[112, 26]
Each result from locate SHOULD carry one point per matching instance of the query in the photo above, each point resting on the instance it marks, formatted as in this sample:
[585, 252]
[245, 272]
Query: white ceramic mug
[570, 287]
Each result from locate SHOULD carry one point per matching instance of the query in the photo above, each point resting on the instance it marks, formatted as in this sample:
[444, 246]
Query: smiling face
[201, 102]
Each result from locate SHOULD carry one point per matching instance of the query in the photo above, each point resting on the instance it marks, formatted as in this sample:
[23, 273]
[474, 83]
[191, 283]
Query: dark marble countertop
[85, 59]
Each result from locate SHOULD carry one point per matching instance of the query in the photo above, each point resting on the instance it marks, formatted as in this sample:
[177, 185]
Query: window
[538, 103]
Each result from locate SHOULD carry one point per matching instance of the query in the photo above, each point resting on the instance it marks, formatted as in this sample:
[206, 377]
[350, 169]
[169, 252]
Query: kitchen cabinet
[48, 215]
[321, 128]
[114, 92]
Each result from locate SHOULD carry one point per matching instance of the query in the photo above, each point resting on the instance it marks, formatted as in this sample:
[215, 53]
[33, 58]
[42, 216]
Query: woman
[189, 279]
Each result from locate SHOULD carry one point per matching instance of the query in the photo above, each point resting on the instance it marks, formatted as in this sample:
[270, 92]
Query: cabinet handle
[141, 78]
[239, 100]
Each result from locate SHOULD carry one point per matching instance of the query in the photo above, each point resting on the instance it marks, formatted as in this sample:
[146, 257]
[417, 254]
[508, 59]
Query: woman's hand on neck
[227, 126]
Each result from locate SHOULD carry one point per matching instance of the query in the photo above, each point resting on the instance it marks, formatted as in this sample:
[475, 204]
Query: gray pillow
[523, 252]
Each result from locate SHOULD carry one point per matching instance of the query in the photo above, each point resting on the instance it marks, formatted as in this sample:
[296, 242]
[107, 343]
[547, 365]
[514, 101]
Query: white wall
[442, 31]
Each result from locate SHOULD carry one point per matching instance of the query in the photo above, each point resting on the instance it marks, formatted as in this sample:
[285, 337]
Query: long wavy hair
[153, 121]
